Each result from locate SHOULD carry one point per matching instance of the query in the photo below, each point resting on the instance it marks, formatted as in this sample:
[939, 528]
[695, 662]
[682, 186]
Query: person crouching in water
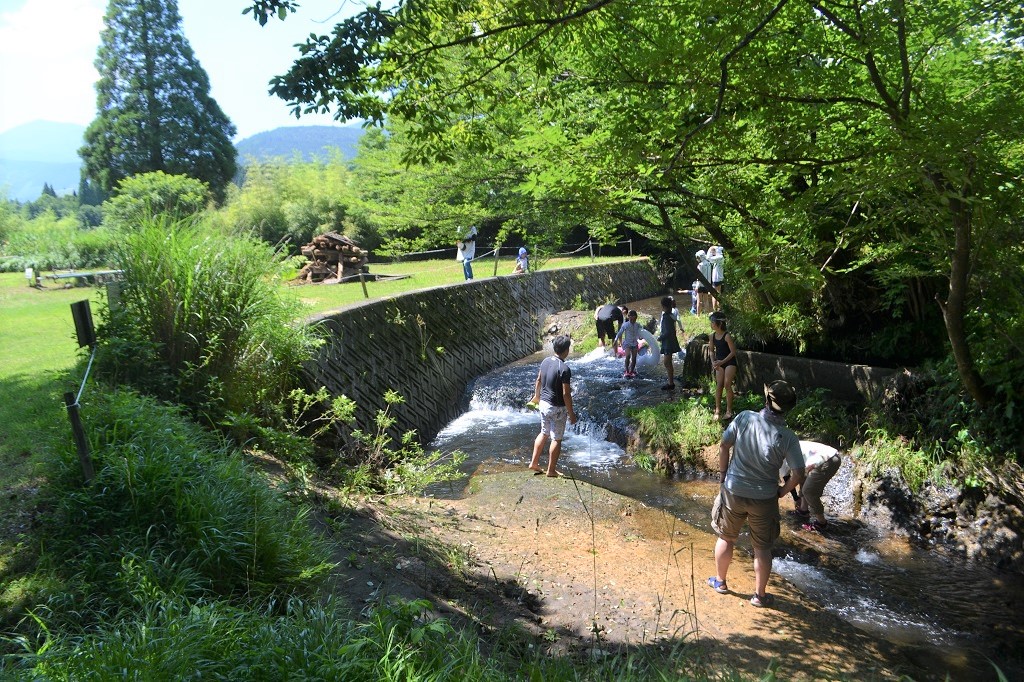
[723, 362]
[629, 333]
[553, 397]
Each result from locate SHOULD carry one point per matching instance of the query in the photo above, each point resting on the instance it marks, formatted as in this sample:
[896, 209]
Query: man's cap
[780, 396]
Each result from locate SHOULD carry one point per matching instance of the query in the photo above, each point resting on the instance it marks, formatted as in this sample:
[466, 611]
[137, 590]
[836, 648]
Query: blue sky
[47, 49]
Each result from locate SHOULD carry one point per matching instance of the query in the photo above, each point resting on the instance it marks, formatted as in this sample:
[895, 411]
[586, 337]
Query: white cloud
[47, 50]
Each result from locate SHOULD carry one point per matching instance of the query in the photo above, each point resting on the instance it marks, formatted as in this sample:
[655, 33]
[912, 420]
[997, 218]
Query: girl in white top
[629, 332]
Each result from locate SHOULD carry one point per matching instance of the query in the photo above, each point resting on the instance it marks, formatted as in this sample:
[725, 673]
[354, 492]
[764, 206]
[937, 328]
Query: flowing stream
[873, 580]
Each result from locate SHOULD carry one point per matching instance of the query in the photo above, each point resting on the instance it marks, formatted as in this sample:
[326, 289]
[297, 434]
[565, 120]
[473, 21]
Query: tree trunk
[955, 307]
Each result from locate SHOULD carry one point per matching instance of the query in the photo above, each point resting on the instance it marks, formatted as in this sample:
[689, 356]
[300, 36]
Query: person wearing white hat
[704, 267]
[759, 443]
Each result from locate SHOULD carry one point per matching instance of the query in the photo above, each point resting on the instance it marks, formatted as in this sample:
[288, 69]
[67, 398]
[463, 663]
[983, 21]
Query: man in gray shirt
[759, 443]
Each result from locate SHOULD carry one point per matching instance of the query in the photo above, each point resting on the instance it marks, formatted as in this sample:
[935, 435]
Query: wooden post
[362, 280]
[631, 247]
[496, 249]
[590, 243]
[81, 443]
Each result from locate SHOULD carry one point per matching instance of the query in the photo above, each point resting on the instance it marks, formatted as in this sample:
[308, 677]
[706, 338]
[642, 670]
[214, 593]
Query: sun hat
[780, 396]
[700, 254]
[522, 250]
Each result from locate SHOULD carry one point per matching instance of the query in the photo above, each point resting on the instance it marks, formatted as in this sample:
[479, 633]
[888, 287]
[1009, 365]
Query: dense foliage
[200, 320]
[858, 163]
[155, 112]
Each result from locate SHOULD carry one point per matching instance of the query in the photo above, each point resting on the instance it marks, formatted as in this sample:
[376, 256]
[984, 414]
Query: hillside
[41, 152]
[37, 153]
[306, 142]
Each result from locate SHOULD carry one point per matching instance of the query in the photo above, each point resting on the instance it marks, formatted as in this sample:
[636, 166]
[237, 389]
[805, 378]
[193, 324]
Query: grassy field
[39, 353]
[421, 275]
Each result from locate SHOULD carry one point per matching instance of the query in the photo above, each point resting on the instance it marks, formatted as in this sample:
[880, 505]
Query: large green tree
[847, 155]
[155, 112]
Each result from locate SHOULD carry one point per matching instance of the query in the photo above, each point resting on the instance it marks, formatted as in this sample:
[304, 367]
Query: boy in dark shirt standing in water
[553, 397]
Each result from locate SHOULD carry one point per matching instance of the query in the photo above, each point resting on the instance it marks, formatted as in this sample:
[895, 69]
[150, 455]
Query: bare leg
[719, 381]
[538, 447]
[730, 376]
[723, 557]
[762, 569]
[553, 453]
[670, 369]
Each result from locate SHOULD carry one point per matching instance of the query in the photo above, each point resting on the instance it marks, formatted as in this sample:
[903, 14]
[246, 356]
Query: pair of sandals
[728, 415]
[758, 600]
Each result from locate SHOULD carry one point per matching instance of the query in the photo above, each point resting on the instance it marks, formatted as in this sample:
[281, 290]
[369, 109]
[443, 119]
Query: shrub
[817, 417]
[681, 429]
[150, 194]
[201, 321]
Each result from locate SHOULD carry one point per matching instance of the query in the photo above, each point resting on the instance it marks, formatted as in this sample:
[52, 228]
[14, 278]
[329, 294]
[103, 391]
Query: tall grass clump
[171, 510]
[397, 640]
[680, 429]
[885, 454]
[202, 322]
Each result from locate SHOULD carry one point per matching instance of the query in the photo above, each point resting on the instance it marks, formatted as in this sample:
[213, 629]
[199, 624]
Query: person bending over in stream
[553, 397]
[759, 443]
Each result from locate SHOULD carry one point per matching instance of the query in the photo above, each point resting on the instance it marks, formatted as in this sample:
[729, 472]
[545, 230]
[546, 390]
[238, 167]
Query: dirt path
[522, 550]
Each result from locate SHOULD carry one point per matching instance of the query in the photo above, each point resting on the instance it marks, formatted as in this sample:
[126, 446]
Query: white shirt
[467, 249]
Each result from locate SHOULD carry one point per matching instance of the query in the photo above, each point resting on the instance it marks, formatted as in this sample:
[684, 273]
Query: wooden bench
[84, 278]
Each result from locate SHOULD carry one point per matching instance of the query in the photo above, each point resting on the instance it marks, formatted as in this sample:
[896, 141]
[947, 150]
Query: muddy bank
[582, 569]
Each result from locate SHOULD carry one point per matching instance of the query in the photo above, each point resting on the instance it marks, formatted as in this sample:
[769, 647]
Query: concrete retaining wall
[428, 345]
[851, 383]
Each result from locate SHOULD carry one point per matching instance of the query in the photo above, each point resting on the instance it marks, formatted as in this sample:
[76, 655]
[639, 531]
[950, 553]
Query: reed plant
[202, 322]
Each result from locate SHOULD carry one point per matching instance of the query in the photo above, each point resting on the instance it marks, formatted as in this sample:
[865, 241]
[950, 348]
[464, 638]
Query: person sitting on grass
[522, 262]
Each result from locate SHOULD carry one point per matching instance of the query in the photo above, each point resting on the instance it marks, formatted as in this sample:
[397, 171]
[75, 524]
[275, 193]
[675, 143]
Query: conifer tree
[155, 112]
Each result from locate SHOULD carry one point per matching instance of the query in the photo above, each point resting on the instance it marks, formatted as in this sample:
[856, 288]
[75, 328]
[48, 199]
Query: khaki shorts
[552, 419]
[730, 512]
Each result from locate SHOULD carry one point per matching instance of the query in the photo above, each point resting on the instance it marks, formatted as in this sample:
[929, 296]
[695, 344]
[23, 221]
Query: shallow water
[876, 582]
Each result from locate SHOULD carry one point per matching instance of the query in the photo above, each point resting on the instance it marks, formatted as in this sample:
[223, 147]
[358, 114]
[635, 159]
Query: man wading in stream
[553, 397]
[760, 443]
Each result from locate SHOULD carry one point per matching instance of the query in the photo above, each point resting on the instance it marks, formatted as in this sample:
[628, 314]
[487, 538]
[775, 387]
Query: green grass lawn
[38, 352]
[422, 275]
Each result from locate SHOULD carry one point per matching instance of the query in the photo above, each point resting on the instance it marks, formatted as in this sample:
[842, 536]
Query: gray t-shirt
[761, 442]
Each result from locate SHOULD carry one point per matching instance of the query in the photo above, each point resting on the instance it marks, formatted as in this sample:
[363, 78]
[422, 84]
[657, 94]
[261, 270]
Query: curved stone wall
[428, 345]
[851, 383]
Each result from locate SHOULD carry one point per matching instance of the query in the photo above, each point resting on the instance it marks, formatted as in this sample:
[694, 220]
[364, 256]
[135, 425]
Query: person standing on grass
[522, 262]
[629, 333]
[466, 251]
[553, 396]
[759, 443]
[723, 362]
[667, 340]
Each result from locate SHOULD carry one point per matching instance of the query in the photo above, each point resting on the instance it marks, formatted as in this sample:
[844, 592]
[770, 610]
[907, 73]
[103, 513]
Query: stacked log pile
[332, 258]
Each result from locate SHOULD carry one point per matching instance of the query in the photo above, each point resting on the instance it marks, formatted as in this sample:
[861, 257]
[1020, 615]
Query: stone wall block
[429, 345]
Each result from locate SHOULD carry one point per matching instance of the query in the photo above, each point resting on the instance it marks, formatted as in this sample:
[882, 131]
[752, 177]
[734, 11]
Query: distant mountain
[305, 142]
[37, 153]
[42, 152]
